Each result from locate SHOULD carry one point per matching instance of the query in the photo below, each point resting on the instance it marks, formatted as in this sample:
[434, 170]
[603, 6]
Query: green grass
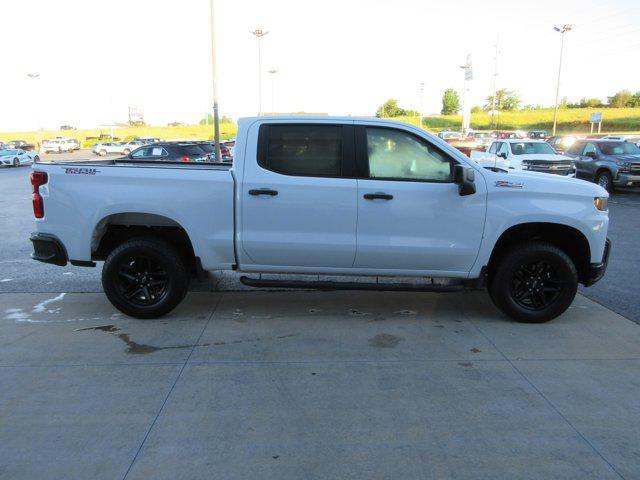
[574, 120]
[186, 132]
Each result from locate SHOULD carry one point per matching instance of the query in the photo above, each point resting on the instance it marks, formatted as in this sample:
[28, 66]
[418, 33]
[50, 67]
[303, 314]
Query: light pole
[258, 33]
[34, 76]
[562, 30]
[214, 80]
[273, 72]
[421, 91]
[495, 76]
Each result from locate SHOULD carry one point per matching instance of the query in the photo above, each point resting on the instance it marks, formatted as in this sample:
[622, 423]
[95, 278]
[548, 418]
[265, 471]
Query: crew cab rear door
[411, 216]
[298, 196]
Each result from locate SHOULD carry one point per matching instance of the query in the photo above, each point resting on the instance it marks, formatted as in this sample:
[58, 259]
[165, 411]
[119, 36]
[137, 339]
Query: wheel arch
[569, 239]
[116, 228]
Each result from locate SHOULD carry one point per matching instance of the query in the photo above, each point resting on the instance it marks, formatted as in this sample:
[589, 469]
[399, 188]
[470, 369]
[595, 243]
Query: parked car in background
[538, 135]
[210, 149]
[449, 135]
[147, 141]
[482, 138]
[106, 148]
[16, 144]
[67, 127]
[15, 157]
[127, 147]
[75, 144]
[524, 154]
[609, 163]
[509, 134]
[183, 152]
[561, 143]
[230, 144]
[56, 145]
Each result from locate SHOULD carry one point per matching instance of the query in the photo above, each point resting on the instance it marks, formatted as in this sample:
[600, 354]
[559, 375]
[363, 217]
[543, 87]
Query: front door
[411, 216]
[299, 206]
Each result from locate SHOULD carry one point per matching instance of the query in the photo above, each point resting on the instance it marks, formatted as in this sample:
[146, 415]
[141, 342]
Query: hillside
[569, 120]
[195, 132]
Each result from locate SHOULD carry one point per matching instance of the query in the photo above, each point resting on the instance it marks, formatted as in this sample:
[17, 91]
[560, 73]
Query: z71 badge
[81, 171]
[505, 183]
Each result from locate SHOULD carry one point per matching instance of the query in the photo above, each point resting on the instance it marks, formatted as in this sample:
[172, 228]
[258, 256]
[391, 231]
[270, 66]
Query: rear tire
[605, 180]
[16, 163]
[102, 153]
[534, 282]
[145, 278]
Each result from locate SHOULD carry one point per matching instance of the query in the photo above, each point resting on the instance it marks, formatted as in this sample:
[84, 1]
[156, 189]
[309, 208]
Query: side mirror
[502, 155]
[465, 177]
[591, 155]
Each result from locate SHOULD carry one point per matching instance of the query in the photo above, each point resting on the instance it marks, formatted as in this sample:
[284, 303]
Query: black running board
[327, 285]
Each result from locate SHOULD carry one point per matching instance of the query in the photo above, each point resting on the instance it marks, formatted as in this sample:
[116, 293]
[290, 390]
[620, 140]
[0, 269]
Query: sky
[341, 57]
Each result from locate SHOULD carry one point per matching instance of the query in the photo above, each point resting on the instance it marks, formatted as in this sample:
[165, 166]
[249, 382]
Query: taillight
[185, 158]
[38, 179]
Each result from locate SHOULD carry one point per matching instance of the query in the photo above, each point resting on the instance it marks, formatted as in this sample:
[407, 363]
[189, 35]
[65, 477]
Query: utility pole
[495, 76]
[214, 79]
[421, 90]
[562, 30]
[258, 33]
[273, 72]
[466, 110]
[37, 101]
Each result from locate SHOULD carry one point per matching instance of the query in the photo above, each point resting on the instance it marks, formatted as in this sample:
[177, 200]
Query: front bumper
[48, 249]
[627, 180]
[597, 270]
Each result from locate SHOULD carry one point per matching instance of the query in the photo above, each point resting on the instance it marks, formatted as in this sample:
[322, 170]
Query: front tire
[605, 180]
[534, 282]
[16, 163]
[102, 153]
[145, 278]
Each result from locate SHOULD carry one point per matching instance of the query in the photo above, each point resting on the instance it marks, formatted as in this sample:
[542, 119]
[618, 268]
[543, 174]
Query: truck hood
[527, 181]
[549, 157]
[623, 158]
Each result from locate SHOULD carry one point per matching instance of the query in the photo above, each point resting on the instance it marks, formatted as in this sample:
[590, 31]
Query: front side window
[504, 148]
[589, 148]
[394, 154]
[303, 150]
[528, 148]
[494, 147]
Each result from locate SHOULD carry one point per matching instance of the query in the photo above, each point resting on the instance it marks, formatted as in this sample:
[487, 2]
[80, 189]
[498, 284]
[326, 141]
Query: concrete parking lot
[237, 384]
[322, 385]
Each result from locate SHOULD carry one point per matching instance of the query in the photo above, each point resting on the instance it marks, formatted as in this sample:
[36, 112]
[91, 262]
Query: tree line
[509, 100]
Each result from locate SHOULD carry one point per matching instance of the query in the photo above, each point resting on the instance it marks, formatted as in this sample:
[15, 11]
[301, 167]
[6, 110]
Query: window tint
[394, 154]
[576, 148]
[305, 150]
[589, 148]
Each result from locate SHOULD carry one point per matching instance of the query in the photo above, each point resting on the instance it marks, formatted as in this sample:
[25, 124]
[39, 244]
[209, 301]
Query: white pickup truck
[524, 154]
[330, 196]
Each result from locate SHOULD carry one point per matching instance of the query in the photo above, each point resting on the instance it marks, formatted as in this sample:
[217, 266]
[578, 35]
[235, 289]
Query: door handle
[380, 195]
[263, 191]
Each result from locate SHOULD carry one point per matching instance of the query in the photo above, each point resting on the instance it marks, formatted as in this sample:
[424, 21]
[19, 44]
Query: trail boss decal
[80, 171]
[504, 183]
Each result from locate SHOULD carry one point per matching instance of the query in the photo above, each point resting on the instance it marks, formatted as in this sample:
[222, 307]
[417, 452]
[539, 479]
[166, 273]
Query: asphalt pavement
[18, 273]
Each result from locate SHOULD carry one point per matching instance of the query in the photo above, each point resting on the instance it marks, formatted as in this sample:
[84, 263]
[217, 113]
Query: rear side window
[301, 150]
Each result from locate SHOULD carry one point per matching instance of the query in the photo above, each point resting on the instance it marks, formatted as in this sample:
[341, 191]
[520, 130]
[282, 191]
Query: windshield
[8, 152]
[619, 148]
[528, 148]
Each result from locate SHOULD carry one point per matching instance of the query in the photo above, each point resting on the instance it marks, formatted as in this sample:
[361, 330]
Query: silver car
[16, 157]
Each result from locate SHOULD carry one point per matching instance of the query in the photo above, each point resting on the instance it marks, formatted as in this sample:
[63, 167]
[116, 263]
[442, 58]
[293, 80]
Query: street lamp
[273, 72]
[421, 91]
[258, 33]
[562, 30]
[214, 80]
[34, 76]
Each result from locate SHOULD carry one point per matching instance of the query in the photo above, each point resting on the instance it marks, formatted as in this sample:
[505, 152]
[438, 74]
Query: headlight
[601, 203]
